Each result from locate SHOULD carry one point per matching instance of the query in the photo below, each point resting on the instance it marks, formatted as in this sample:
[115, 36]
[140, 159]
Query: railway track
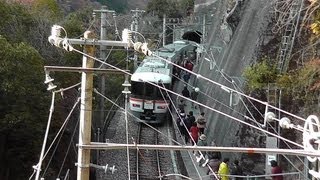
[147, 162]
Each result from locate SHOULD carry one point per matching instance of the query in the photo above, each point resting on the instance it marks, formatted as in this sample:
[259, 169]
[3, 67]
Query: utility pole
[135, 27]
[164, 31]
[103, 48]
[204, 29]
[85, 111]
[86, 86]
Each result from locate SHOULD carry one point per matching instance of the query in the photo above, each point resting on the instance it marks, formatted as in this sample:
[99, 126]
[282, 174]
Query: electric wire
[69, 145]
[217, 101]
[228, 88]
[60, 134]
[232, 118]
[38, 166]
[246, 97]
[144, 40]
[184, 126]
[237, 88]
[126, 118]
[47, 131]
[306, 166]
[237, 92]
[89, 27]
[203, 105]
[136, 118]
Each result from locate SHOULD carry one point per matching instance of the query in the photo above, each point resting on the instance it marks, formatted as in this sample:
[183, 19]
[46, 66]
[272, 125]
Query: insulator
[56, 30]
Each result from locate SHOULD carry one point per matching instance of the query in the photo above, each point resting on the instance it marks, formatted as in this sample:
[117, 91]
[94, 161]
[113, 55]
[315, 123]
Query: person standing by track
[201, 122]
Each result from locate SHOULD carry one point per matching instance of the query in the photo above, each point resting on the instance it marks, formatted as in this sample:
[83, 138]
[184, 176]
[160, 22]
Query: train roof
[151, 77]
[152, 69]
[177, 45]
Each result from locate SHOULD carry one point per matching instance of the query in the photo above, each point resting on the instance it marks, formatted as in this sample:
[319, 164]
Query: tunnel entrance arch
[192, 36]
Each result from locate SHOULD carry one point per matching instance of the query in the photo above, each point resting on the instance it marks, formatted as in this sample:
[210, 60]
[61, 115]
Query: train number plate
[148, 105]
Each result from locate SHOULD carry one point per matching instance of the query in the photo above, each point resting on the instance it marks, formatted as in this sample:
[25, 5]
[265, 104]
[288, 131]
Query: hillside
[120, 6]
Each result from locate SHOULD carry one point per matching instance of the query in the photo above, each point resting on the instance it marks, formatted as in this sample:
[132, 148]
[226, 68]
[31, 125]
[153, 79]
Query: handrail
[265, 175]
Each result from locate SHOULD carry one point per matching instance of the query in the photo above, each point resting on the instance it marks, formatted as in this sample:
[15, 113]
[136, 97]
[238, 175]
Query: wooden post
[85, 111]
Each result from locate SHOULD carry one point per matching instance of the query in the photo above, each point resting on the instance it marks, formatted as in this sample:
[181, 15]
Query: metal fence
[292, 175]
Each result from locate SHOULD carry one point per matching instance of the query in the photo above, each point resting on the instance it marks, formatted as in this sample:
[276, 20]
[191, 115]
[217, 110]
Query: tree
[161, 7]
[49, 7]
[259, 75]
[23, 107]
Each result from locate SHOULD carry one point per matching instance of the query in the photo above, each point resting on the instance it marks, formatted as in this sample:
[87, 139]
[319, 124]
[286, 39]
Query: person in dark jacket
[185, 92]
[276, 170]
[180, 122]
[213, 167]
[194, 95]
[236, 170]
[191, 118]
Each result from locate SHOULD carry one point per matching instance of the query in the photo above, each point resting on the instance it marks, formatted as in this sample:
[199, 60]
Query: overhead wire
[43, 155]
[264, 103]
[219, 102]
[203, 105]
[89, 27]
[188, 134]
[132, 115]
[38, 166]
[60, 133]
[229, 79]
[253, 126]
[69, 145]
[237, 88]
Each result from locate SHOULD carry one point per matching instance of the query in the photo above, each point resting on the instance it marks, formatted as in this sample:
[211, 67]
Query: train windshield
[148, 91]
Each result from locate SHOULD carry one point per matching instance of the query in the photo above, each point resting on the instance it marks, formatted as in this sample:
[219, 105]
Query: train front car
[147, 101]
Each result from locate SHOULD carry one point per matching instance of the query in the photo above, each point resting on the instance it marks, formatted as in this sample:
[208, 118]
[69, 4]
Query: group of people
[216, 167]
[186, 93]
[185, 75]
[191, 127]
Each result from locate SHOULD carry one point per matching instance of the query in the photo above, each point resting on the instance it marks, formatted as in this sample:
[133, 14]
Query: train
[150, 103]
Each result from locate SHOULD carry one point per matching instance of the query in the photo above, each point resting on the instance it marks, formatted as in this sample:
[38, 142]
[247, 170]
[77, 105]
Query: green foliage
[302, 85]
[119, 6]
[49, 7]
[315, 25]
[186, 6]
[259, 75]
[23, 108]
[299, 88]
[15, 22]
[161, 7]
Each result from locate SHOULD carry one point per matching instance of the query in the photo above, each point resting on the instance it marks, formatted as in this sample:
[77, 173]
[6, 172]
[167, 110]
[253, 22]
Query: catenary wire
[60, 134]
[203, 105]
[38, 166]
[70, 143]
[184, 126]
[138, 119]
[49, 120]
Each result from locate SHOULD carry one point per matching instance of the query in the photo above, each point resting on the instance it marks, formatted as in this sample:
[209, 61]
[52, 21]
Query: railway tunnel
[192, 36]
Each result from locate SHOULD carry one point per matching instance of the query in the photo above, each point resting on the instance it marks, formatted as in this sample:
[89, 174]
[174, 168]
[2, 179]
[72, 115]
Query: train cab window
[149, 91]
[137, 88]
